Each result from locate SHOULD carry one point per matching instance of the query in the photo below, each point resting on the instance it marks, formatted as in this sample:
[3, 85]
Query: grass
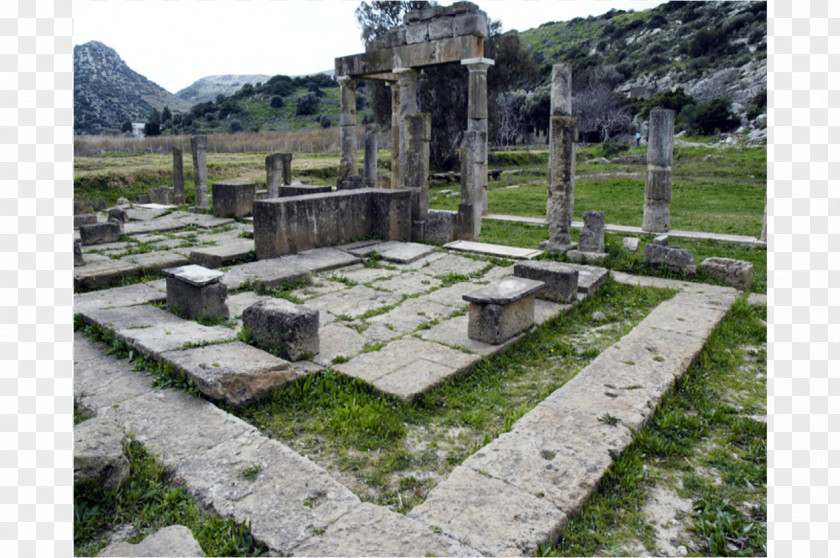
[391, 452]
[704, 435]
[148, 501]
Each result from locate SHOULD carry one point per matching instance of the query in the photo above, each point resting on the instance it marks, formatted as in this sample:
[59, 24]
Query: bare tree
[511, 117]
[599, 111]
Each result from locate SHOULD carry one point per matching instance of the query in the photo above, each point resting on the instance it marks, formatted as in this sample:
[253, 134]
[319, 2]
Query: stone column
[415, 161]
[473, 175]
[274, 166]
[198, 145]
[371, 153]
[477, 109]
[562, 138]
[178, 175]
[763, 236]
[349, 158]
[395, 134]
[408, 105]
[660, 157]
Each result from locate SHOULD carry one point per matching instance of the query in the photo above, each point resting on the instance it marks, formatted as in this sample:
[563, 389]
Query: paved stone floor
[401, 326]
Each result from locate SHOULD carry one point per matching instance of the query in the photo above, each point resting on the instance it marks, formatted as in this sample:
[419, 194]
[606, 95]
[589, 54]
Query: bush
[709, 117]
[324, 121]
[306, 104]
[674, 100]
[757, 105]
[276, 102]
[235, 126]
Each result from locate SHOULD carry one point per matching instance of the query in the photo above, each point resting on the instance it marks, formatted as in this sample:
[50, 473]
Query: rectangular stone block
[440, 28]
[215, 257]
[100, 233]
[303, 190]
[194, 302]
[470, 24]
[561, 280]
[469, 221]
[735, 273]
[165, 195]
[390, 212]
[279, 325]
[417, 33]
[440, 226]
[502, 310]
[84, 219]
[233, 199]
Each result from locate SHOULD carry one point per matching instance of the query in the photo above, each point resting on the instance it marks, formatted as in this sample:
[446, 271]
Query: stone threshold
[511, 495]
[637, 231]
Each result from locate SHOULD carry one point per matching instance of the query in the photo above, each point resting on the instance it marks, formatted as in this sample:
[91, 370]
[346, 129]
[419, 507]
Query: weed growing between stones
[392, 453]
[703, 434]
[284, 291]
[146, 502]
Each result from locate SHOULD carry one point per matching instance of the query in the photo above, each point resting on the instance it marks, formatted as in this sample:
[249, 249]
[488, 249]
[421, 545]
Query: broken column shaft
[660, 157]
[178, 175]
[395, 134]
[371, 154]
[408, 106]
[477, 110]
[198, 145]
[349, 164]
[277, 172]
[561, 161]
[415, 162]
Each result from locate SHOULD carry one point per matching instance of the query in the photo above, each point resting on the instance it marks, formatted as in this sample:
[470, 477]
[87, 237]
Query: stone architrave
[277, 172]
[395, 134]
[477, 109]
[178, 175]
[473, 170]
[561, 161]
[660, 157]
[371, 153]
[349, 164]
[408, 105]
[415, 162]
[198, 145]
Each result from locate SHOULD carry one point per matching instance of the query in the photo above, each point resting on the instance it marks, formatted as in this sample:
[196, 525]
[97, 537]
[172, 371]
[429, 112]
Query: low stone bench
[280, 325]
[502, 309]
[561, 280]
[233, 199]
[196, 292]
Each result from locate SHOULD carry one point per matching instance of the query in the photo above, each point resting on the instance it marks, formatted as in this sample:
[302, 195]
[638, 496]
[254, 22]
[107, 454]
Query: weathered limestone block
[677, 259]
[502, 309]
[395, 134]
[735, 273]
[470, 24]
[233, 199]
[417, 33]
[99, 204]
[198, 145]
[100, 233]
[214, 257]
[588, 258]
[175, 540]
[661, 240]
[473, 177]
[631, 244]
[178, 176]
[165, 195]
[278, 172]
[415, 162]
[118, 214]
[84, 219]
[440, 28]
[349, 164]
[561, 280]
[280, 325]
[82, 207]
[592, 233]
[195, 292]
[561, 183]
[371, 153]
[440, 226]
[660, 150]
[78, 258]
[763, 236]
[99, 453]
[352, 182]
[298, 189]
[143, 198]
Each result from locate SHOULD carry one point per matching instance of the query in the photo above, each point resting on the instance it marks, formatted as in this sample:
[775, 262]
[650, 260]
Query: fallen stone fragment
[279, 325]
[735, 273]
[99, 453]
[175, 540]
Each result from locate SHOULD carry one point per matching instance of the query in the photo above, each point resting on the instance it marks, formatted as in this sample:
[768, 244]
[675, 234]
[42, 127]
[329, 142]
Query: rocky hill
[710, 49]
[208, 87]
[107, 92]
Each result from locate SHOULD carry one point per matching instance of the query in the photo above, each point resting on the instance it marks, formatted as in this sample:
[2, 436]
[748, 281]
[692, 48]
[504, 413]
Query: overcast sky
[176, 42]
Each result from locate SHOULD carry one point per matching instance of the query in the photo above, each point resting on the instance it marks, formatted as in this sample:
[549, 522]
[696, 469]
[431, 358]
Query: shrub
[324, 121]
[235, 126]
[276, 102]
[757, 105]
[709, 117]
[306, 104]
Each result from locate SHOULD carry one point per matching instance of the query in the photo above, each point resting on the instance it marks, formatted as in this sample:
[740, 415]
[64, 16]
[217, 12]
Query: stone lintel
[428, 53]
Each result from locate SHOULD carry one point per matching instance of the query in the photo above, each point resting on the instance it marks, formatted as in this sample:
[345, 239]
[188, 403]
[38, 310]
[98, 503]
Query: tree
[536, 110]
[306, 104]
[511, 116]
[377, 17]
[166, 114]
[710, 117]
[600, 112]
[152, 127]
[276, 102]
[127, 127]
[235, 126]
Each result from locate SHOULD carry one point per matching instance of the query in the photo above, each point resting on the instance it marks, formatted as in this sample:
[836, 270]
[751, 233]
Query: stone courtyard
[391, 314]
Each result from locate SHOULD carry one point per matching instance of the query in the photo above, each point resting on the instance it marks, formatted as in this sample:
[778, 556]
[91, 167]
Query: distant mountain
[206, 88]
[107, 92]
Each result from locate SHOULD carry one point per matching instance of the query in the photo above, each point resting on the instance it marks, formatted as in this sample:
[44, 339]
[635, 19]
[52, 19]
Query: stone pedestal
[195, 292]
[735, 273]
[233, 199]
[477, 110]
[561, 280]
[349, 164]
[178, 176]
[78, 258]
[198, 145]
[415, 162]
[282, 326]
[660, 157]
[371, 153]
[473, 176]
[164, 195]
[502, 309]
[278, 172]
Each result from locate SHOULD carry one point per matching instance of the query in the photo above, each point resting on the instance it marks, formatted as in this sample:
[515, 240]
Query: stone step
[130, 295]
[496, 250]
[217, 256]
[101, 273]
[272, 273]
